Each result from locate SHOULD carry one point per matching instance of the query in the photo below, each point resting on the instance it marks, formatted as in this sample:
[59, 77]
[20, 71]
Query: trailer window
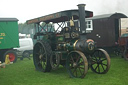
[89, 26]
[123, 26]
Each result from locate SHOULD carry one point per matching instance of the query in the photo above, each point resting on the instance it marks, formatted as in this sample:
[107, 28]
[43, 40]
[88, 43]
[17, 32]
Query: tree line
[24, 28]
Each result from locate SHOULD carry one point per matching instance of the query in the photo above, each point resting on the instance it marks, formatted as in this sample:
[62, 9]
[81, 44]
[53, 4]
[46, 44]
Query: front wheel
[100, 61]
[77, 64]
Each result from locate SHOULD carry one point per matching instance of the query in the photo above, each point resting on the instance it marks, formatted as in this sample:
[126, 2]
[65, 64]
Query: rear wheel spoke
[80, 71]
[76, 72]
[72, 59]
[78, 59]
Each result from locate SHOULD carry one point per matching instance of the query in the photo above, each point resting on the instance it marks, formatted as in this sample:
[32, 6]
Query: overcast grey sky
[29, 9]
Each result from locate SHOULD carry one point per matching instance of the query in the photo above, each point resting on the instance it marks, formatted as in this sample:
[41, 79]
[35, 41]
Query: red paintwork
[122, 41]
[11, 57]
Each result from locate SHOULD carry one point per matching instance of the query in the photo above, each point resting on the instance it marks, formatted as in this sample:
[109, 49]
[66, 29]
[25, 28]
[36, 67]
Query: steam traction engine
[67, 45]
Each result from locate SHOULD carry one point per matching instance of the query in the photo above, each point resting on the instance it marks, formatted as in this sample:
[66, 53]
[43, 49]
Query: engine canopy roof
[60, 17]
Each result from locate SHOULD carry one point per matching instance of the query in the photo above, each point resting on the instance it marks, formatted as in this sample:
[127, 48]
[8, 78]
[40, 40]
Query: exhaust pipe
[82, 14]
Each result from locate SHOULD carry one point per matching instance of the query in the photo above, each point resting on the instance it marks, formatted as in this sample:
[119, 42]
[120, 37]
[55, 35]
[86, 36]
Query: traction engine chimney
[82, 18]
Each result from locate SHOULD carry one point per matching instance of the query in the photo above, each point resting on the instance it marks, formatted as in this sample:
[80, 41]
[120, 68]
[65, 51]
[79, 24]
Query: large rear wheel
[41, 56]
[77, 64]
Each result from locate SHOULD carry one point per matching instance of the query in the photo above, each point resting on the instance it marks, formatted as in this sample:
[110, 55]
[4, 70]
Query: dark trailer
[105, 29]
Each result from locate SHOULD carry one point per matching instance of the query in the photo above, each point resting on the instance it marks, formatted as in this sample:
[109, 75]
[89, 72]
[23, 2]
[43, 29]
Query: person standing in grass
[126, 50]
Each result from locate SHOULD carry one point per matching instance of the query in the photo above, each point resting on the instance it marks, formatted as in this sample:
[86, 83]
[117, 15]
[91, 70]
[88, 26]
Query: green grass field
[24, 73]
